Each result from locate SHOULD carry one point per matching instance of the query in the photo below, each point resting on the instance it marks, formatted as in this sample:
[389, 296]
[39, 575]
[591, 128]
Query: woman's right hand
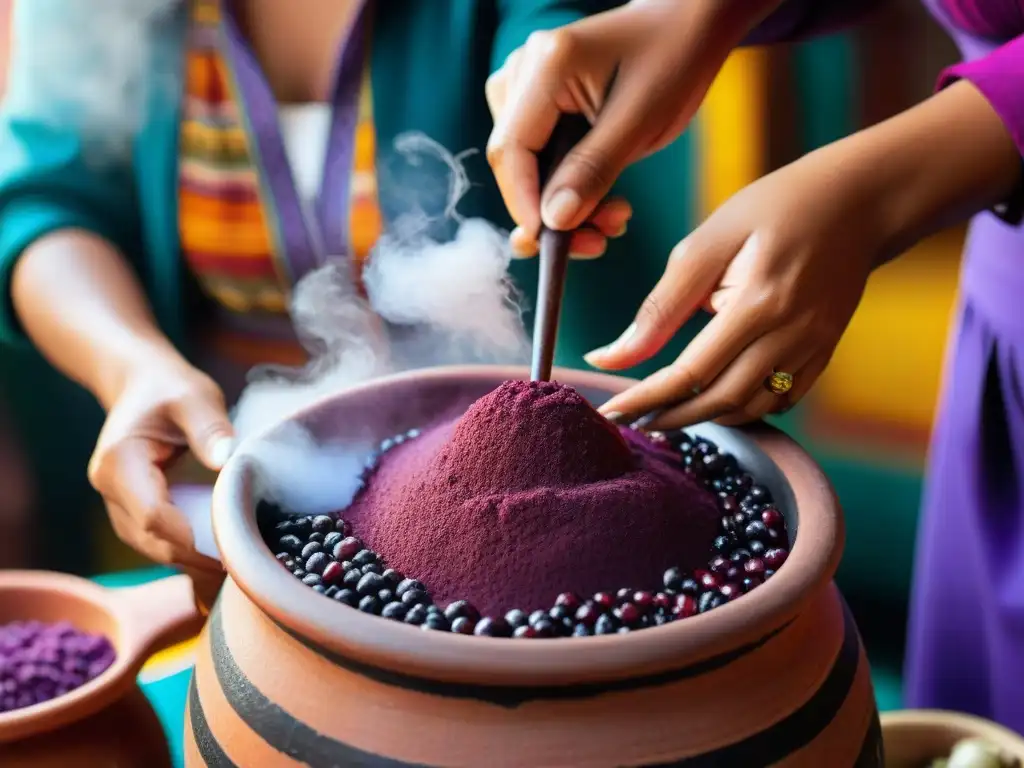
[161, 409]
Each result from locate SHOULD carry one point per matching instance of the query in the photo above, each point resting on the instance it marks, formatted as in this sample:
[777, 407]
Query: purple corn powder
[39, 662]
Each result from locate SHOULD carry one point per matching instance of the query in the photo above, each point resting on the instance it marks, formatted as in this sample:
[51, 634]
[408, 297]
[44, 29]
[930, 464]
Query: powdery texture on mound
[532, 493]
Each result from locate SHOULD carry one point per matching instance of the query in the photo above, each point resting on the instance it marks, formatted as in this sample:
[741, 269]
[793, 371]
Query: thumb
[693, 271]
[205, 424]
[619, 136]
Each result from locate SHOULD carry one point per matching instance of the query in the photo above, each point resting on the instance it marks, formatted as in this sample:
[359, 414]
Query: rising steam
[428, 302]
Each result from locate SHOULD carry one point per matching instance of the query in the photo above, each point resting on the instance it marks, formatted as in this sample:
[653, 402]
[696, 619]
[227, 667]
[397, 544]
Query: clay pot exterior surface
[125, 734]
[138, 621]
[915, 737]
[284, 678]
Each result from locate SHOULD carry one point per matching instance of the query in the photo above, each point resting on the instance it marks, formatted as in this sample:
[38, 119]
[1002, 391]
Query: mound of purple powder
[39, 662]
[529, 494]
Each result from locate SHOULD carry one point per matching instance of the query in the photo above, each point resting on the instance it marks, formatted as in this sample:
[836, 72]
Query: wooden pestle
[554, 252]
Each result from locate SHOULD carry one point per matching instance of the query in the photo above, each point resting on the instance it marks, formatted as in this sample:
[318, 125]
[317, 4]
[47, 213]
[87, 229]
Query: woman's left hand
[782, 266]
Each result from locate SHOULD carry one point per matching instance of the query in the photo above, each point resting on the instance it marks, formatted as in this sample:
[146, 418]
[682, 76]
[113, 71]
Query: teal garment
[430, 62]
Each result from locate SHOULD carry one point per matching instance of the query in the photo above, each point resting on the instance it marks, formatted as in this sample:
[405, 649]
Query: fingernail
[579, 256]
[622, 230]
[221, 451]
[561, 208]
[613, 416]
[601, 351]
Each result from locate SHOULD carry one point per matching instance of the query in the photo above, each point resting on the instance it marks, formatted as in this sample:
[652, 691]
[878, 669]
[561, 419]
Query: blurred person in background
[783, 265]
[170, 168]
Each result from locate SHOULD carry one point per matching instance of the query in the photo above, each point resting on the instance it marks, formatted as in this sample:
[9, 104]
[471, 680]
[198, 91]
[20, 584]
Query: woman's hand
[161, 409]
[638, 73]
[782, 265]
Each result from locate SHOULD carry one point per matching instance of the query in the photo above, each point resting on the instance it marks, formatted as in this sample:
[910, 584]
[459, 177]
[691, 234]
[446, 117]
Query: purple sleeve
[800, 19]
[1000, 78]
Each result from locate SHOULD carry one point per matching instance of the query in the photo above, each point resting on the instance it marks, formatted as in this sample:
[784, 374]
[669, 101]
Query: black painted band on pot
[210, 750]
[289, 736]
[510, 696]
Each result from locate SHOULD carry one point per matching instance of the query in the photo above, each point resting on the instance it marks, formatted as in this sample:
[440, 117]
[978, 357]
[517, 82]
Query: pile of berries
[322, 552]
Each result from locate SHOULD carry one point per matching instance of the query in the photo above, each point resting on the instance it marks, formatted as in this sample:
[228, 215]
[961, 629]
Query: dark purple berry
[463, 626]
[386, 596]
[406, 584]
[588, 614]
[606, 625]
[710, 600]
[394, 610]
[488, 627]
[299, 573]
[283, 558]
[604, 600]
[517, 618]
[347, 596]
[772, 518]
[685, 606]
[544, 628]
[341, 527]
[570, 600]
[311, 549]
[731, 591]
[756, 548]
[629, 614]
[623, 594]
[370, 604]
[320, 588]
[290, 543]
[719, 564]
[759, 494]
[662, 602]
[331, 591]
[370, 584]
[755, 530]
[333, 573]
[317, 562]
[581, 630]
[673, 579]
[322, 524]
[372, 568]
[392, 577]
[559, 613]
[311, 579]
[722, 544]
[754, 566]
[316, 537]
[706, 579]
[461, 609]
[435, 621]
[689, 587]
[750, 582]
[643, 600]
[347, 548]
[330, 540]
[414, 597]
[525, 631]
[352, 578]
[416, 614]
[364, 557]
[774, 558]
[538, 615]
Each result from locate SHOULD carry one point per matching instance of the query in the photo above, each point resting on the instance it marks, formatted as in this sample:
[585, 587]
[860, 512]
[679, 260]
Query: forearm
[931, 166]
[83, 308]
[794, 20]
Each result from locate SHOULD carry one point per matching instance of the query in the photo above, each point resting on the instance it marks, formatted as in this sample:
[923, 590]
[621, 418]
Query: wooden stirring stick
[554, 252]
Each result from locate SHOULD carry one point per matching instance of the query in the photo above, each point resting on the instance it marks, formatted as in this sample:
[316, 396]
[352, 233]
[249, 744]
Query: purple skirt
[966, 637]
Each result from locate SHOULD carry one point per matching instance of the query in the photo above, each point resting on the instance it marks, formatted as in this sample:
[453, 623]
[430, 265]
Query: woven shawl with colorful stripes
[226, 224]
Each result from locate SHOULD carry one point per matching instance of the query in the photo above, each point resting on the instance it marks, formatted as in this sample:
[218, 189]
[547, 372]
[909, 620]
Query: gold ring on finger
[779, 383]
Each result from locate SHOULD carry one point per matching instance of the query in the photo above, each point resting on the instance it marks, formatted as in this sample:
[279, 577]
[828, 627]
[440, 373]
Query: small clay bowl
[914, 737]
[136, 620]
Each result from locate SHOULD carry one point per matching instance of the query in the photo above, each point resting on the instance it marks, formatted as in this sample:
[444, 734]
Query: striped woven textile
[226, 223]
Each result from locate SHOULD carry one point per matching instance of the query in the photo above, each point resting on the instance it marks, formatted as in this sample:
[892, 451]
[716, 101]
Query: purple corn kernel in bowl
[39, 662]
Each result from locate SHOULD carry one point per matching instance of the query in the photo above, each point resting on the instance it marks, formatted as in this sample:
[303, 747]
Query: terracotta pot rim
[395, 648]
[86, 699]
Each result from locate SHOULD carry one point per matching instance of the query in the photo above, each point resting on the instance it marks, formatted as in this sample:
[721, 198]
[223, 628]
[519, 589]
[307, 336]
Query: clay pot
[138, 621]
[284, 678]
[915, 737]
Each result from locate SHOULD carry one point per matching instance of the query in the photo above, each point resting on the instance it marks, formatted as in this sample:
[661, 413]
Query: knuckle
[493, 85]
[651, 312]
[552, 44]
[495, 151]
[593, 165]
